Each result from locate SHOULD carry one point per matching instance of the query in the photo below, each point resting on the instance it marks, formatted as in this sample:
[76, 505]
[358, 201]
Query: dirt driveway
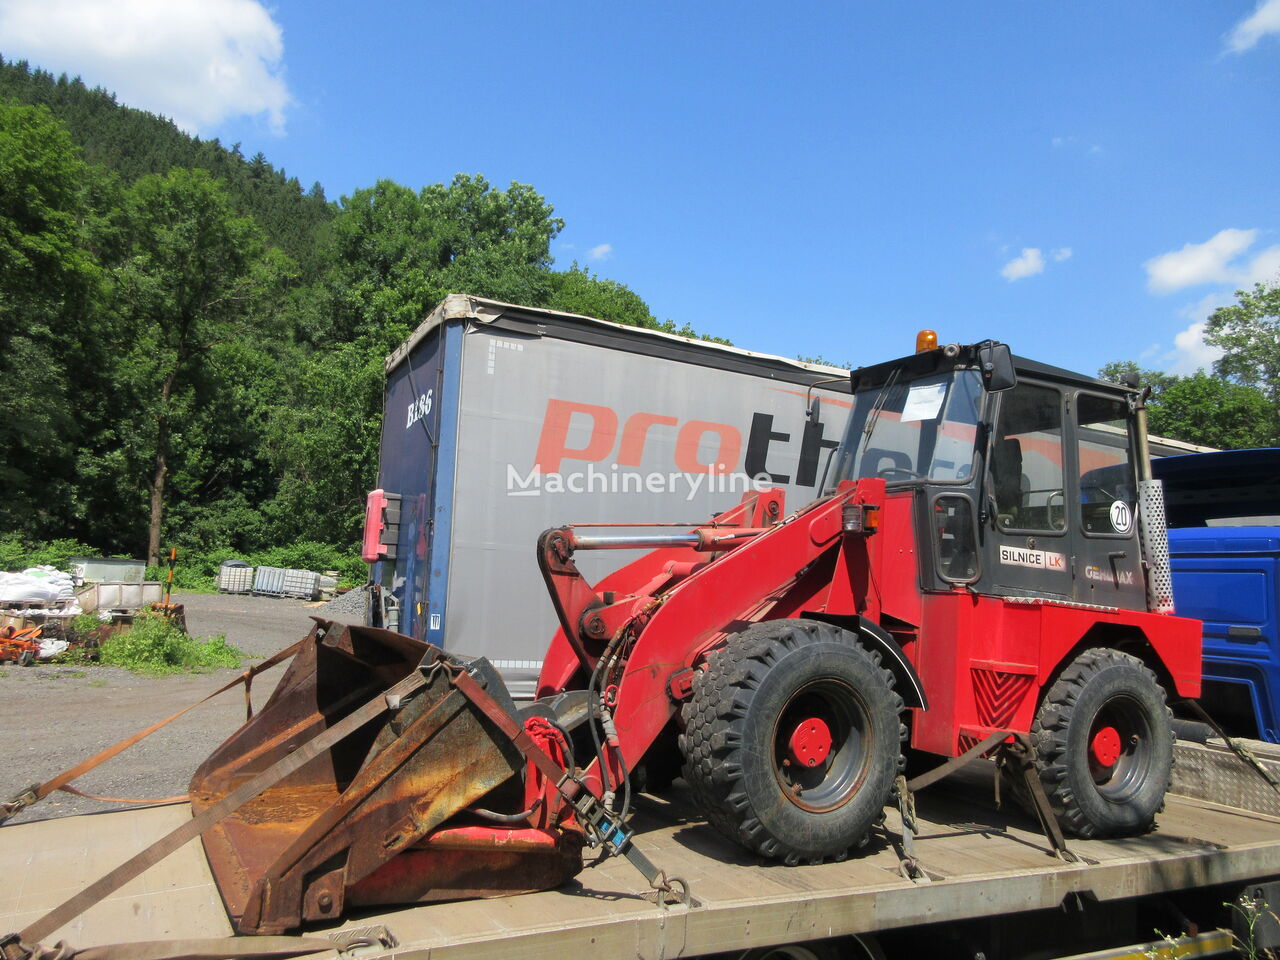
[52, 717]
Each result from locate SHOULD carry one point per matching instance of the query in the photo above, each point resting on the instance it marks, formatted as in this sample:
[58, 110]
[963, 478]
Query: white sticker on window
[1121, 517]
[924, 400]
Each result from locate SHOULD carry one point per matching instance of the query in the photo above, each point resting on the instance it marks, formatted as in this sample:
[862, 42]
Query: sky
[1085, 181]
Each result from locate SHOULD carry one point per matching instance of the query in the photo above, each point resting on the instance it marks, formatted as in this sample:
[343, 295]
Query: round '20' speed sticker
[1121, 517]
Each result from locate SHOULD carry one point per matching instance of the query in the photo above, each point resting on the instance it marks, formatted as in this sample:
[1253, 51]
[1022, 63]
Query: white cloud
[1265, 19]
[1214, 261]
[196, 61]
[1204, 307]
[1062, 253]
[1028, 264]
[602, 252]
[1190, 353]
[1264, 268]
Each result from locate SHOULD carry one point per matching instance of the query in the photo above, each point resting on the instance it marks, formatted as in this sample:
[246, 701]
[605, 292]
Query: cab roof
[936, 361]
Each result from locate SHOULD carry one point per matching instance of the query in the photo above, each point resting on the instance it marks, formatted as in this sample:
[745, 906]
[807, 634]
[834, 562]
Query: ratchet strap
[37, 792]
[601, 826]
[58, 917]
[1024, 753]
[336, 944]
[1017, 749]
[1236, 747]
[955, 763]
[214, 948]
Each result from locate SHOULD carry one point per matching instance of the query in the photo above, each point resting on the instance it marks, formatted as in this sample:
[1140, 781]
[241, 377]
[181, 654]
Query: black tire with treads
[1101, 690]
[753, 692]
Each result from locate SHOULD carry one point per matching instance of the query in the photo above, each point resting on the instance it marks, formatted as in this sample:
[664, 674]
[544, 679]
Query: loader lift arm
[636, 652]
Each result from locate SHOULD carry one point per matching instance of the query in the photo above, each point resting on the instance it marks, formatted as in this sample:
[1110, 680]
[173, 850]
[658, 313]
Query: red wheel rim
[826, 722]
[810, 742]
[1105, 747]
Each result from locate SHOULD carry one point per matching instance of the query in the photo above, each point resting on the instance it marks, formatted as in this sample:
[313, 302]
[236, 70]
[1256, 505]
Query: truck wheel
[1105, 745]
[792, 740]
[842, 948]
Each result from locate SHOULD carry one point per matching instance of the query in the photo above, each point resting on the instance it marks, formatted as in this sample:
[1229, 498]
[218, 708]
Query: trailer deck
[981, 862]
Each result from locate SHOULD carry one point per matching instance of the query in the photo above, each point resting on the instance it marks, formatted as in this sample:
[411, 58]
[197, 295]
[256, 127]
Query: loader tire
[792, 740]
[1104, 743]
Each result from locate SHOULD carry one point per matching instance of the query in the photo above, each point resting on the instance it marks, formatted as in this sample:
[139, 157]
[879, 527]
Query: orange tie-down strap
[25, 945]
[38, 792]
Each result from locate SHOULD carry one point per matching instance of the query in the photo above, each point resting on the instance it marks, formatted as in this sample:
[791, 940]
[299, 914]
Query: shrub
[18, 554]
[83, 624]
[155, 646]
[308, 555]
[196, 570]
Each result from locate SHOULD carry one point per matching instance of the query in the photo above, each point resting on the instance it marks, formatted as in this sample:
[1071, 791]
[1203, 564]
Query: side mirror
[997, 366]
[814, 413]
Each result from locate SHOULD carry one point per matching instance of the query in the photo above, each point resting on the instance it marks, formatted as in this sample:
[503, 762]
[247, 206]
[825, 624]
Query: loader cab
[1027, 490]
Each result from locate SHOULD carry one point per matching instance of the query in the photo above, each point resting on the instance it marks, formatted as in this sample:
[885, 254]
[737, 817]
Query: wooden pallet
[18, 606]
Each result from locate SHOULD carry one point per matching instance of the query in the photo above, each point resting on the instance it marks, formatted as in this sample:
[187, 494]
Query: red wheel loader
[987, 570]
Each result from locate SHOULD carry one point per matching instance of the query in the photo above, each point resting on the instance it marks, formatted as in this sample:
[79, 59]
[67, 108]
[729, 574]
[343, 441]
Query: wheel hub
[810, 742]
[1105, 747]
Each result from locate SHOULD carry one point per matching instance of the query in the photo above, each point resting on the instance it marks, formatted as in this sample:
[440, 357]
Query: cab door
[1107, 548]
[1028, 548]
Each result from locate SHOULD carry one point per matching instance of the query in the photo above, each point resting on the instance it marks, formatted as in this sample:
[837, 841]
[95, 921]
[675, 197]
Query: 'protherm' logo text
[763, 452]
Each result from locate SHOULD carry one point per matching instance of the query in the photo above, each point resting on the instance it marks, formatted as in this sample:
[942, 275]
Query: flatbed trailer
[991, 885]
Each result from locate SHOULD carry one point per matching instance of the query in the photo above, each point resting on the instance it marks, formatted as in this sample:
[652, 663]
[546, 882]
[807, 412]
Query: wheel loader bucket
[359, 822]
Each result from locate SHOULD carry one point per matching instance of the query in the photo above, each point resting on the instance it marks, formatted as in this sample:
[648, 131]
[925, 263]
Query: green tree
[191, 287]
[1211, 411]
[47, 284]
[577, 290]
[394, 253]
[1248, 332]
[133, 143]
[1202, 408]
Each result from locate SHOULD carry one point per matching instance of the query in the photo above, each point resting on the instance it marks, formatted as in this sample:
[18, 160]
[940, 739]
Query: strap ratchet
[603, 829]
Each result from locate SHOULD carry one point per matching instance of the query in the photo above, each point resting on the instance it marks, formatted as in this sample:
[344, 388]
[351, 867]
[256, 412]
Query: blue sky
[1085, 181]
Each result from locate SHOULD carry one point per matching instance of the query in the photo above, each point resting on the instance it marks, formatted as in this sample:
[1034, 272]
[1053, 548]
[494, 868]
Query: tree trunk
[161, 473]
[157, 507]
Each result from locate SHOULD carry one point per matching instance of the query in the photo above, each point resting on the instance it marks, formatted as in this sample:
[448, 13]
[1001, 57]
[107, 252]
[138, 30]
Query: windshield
[907, 430]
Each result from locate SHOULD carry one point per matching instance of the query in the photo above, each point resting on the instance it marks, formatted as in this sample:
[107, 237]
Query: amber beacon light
[926, 340]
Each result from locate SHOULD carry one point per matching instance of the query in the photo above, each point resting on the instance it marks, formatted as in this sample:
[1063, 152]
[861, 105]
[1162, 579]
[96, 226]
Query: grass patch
[154, 646]
[82, 625]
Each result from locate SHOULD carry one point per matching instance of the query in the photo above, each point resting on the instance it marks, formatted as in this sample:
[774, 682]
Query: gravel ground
[52, 717]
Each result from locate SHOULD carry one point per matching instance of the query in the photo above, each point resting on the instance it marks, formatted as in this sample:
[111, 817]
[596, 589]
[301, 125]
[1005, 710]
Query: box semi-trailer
[502, 421]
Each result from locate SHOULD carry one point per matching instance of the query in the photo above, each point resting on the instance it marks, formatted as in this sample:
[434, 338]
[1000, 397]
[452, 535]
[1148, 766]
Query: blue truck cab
[1223, 513]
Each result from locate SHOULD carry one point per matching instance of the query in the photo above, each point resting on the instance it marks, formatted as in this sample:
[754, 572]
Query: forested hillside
[191, 346]
[133, 143]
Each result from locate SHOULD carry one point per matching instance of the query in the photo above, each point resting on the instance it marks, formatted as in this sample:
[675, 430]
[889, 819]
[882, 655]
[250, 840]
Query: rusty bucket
[380, 816]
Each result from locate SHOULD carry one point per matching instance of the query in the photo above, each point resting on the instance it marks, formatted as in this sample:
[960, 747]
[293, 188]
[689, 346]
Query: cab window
[1026, 460]
[1107, 488]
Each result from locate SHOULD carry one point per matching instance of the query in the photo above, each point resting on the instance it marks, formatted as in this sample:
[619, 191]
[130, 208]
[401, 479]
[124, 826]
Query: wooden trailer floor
[981, 861]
